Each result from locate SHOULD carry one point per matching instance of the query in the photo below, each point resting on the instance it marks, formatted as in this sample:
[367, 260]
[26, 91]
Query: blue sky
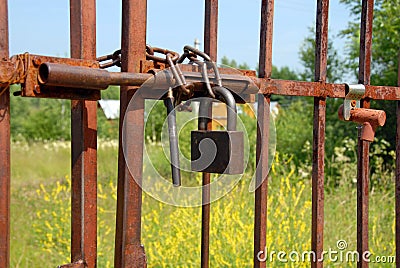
[47, 32]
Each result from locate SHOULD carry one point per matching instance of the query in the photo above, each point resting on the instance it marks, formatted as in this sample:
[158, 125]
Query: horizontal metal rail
[75, 74]
[53, 74]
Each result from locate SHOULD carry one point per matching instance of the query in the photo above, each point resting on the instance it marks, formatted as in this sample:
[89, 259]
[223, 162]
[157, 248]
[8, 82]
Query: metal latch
[354, 94]
[369, 119]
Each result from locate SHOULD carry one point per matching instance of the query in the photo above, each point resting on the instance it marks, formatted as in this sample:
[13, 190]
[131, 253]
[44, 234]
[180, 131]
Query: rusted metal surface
[84, 142]
[211, 29]
[317, 228]
[397, 174]
[266, 38]
[205, 124]
[363, 146]
[6, 70]
[128, 249]
[231, 78]
[362, 197]
[369, 119]
[261, 193]
[318, 89]
[174, 56]
[321, 55]
[152, 66]
[263, 117]
[63, 75]
[5, 171]
[30, 86]
[241, 82]
[210, 48]
[110, 60]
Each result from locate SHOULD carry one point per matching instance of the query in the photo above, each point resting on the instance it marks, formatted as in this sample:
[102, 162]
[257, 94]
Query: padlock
[350, 110]
[218, 151]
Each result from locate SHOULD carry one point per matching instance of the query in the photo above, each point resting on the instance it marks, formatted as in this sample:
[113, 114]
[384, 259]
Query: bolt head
[36, 61]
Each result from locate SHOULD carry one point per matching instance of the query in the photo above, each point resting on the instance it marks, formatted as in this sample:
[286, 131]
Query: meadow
[40, 215]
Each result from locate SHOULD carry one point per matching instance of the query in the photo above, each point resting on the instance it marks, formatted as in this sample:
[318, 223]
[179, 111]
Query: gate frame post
[263, 117]
[5, 171]
[84, 142]
[129, 252]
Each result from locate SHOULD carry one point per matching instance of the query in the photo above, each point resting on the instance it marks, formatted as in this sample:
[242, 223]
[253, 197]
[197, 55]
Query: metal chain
[150, 54]
[169, 58]
[172, 59]
[191, 53]
[110, 60]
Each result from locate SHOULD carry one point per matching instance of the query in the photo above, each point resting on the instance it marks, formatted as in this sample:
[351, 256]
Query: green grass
[171, 235]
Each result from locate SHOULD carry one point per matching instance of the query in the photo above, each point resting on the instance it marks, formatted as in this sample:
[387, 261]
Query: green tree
[294, 130]
[233, 64]
[284, 73]
[50, 119]
[385, 45]
[385, 53]
[39, 119]
[112, 93]
[294, 123]
[335, 68]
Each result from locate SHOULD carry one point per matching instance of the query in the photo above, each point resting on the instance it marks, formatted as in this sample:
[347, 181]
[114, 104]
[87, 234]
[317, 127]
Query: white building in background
[110, 108]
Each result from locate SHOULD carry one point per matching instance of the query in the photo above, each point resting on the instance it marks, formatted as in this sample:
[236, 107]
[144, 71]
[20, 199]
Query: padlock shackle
[230, 102]
[173, 139]
[204, 109]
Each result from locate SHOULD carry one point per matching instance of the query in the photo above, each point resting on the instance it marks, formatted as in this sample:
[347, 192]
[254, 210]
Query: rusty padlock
[218, 151]
[369, 119]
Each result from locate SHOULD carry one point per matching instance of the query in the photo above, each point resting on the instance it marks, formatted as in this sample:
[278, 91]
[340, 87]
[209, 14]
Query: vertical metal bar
[266, 38]
[321, 55]
[363, 146]
[205, 195]
[263, 114]
[128, 249]
[211, 48]
[397, 182]
[84, 141]
[211, 29]
[4, 146]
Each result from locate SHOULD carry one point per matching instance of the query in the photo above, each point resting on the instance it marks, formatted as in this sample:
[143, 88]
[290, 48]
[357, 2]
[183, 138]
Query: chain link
[172, 60]
[150, 54]
[110, 60]
[191, 53]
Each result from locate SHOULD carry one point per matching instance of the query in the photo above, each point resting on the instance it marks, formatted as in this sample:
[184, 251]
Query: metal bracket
[354, 94]
[25, 70]
[241, 82]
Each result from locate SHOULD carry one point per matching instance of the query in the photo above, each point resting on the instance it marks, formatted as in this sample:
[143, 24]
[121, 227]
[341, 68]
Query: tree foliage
[284, 73]
[233, 64]
[335, 68]
[50, 119]
[385, 53]
[385, 45]
[40, 119]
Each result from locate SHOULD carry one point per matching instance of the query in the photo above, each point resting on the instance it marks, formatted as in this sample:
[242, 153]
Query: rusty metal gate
[129, 252]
